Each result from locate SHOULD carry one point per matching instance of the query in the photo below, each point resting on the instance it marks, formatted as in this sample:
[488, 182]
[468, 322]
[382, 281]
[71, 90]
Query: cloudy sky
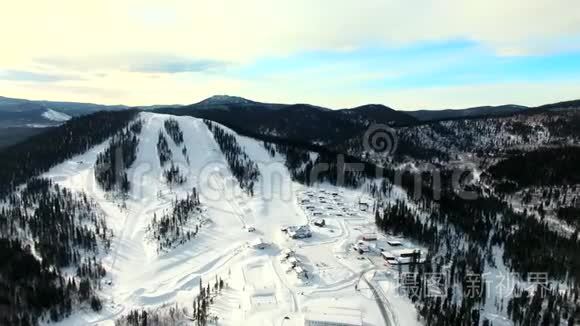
[407, 54]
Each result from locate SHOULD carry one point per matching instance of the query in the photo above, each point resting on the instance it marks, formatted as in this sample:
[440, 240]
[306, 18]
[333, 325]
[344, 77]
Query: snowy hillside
[55, 116]
[484, 138]
[225, 99]
[260, 285]
[140, 217]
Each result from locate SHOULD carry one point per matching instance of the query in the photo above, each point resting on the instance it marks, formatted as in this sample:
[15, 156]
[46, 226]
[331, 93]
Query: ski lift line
[236, 212]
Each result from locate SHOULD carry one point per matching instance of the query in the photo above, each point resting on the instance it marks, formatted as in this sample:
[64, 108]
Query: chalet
[320, 223]
[361, 247]
[387, 245]
[259, 243]
[390, 258]
[403, 256]
[369, 237]
[394, 243]
[363, 206]
[300, 232]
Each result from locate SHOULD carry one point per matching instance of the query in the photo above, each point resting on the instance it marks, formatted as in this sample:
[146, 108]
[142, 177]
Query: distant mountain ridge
[491, 111]
[480, 111]
[301, 122]
[298, 122]
[29, 108]
[21, 113]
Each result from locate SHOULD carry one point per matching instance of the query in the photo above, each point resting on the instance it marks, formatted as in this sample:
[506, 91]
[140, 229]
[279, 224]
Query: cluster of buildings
[394, 252]
[298, 232]
[327, 203]
[294, 264]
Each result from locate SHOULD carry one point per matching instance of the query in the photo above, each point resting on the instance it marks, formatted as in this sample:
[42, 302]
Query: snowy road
[383, 306]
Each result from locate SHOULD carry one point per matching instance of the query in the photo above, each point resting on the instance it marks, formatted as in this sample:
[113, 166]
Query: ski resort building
[259, 243]
[293, 261]
[394, 243]
[369, 237]
[403, 256]
[361, 247]
[299, 232]
[364, 206]
[319, 223]
[300, 272]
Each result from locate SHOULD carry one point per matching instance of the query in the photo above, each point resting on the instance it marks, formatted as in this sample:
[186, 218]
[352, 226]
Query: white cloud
[101, 40]
[241, 30]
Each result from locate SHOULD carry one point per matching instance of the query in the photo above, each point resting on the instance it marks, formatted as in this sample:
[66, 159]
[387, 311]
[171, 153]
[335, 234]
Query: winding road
[383, 306]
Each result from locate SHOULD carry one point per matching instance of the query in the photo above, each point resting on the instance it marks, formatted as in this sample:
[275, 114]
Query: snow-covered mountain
[20, 112]
[225, 100]
[55, 116]
[150, 265]
[152, 212]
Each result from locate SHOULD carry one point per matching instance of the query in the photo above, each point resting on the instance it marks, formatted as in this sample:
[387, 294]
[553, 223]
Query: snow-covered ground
[53, 115]
[261, 289]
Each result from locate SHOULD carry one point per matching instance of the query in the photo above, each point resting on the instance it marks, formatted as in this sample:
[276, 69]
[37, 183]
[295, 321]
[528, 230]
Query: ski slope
[53, 115]
[260, 289]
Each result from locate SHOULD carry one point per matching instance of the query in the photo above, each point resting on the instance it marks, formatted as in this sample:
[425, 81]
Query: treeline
[528, 244]
[173, 315]
[163, 149]
[173, 130]
[38, 154]
[167, 315]
[570, 215]
[531, 245]
[399, 219]
[29, 289]
[543, 167]
[460, 292]
[462, 297]
[242, 167]
[60, 222]
[173, 175]
[174, 228]
[544, 306]
[44, 229]
[310, 168]
[204, 299]
[112, 164]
